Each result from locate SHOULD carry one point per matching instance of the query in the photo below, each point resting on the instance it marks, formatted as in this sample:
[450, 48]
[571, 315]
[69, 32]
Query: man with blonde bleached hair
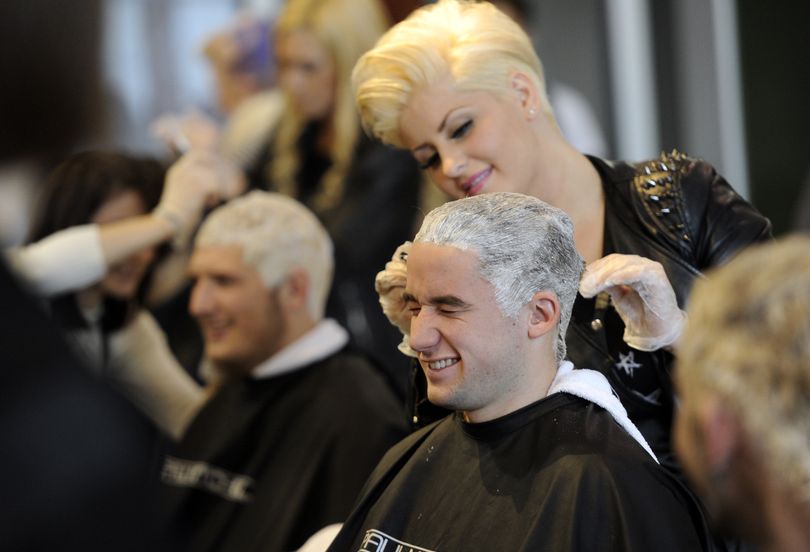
[537, 456]
[283, 447]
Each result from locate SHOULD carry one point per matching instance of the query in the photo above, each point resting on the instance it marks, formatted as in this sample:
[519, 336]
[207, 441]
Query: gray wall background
[706, 54]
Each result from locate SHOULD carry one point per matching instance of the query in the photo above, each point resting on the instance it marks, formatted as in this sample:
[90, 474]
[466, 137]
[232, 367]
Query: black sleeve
[723, 222]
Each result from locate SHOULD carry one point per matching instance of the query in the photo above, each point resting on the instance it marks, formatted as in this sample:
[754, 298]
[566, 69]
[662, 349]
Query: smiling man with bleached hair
[537, 455]
[283, 447]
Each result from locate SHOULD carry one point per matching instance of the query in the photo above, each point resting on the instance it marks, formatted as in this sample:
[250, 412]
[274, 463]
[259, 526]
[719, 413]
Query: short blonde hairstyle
[276, 234]
[346, 29]
[474, 43]
[748, 342]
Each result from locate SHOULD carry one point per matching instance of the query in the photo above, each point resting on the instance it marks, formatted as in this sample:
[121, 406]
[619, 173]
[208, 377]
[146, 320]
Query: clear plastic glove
[641, 294]
[196, 180]
[390, 285]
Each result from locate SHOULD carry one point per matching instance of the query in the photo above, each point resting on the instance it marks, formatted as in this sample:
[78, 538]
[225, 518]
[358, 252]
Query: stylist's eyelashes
[462, 130]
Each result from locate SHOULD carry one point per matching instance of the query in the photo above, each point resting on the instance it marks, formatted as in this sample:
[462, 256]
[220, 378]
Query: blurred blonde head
[748, 344]
[345, 29]
[475, 44]
[276, 234]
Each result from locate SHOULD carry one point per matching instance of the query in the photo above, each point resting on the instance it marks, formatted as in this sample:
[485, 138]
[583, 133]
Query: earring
[532, 111]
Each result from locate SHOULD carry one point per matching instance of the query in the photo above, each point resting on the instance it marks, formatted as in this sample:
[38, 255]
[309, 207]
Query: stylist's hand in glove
[390, 285]
[641, 294]
[196, 180]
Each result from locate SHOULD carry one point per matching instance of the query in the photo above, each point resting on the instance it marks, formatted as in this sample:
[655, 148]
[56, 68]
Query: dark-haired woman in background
[92, 250]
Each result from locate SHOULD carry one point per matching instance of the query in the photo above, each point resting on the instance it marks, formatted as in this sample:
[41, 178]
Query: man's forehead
[434, 256]
[443, 269]
[217, 257]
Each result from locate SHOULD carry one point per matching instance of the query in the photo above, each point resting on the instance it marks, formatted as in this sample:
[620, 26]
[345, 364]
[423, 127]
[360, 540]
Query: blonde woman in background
[366, 194]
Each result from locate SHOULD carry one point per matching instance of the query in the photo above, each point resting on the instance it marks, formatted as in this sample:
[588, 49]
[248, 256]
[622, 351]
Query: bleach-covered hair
[748, 342]
[523, 244]
[276, 234]
[473, 43]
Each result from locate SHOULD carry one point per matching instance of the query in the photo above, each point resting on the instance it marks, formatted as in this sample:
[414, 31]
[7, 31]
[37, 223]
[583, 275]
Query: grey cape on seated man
[283, 447]
[537, 456]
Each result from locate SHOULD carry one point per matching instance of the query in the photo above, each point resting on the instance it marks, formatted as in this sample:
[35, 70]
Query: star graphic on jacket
[627, 363]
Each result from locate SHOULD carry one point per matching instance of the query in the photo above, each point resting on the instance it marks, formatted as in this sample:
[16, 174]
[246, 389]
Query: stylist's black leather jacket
[678, 211]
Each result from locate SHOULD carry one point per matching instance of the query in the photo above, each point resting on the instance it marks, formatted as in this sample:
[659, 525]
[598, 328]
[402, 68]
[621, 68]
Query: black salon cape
[307, 440]
[557, 475]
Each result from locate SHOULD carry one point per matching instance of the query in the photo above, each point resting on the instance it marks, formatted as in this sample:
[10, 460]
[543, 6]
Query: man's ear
[721, 432]
[294, 291]
[544, 314]
[526, 93]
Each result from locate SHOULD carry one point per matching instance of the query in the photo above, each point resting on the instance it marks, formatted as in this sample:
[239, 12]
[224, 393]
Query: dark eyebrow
[449, 301]
[444, 121]
[445, 300]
